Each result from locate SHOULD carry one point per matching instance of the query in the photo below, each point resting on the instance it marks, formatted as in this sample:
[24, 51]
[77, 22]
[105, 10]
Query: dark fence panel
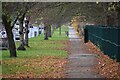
[106, 38]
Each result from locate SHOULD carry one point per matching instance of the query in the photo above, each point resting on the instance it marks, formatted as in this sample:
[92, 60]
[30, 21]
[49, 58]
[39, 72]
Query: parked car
[3, 40]
[16, 32]
[17, 36]
[3, 34]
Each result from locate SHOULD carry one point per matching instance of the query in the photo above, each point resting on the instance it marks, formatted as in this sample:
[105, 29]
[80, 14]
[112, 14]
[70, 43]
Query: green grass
[39, 48]
[63, 35]
[56, 35]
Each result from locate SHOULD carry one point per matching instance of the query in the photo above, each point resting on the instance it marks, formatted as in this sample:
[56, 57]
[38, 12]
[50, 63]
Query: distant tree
[25, 7]
[114, 11]
[21, 46]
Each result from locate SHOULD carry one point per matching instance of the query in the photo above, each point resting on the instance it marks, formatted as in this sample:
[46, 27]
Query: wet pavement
[80, 62]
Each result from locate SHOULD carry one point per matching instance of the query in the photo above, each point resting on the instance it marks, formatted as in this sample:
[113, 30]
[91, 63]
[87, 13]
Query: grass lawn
[44, 58]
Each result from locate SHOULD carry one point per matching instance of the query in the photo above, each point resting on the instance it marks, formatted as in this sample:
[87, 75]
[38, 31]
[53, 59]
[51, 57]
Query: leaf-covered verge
[107, 67]
[44, 58]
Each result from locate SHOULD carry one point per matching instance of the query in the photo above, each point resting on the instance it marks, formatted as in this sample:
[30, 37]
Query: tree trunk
[49, 31]
[8, 28]
[59, 30]
[110, 20]
[53, 28]
[107, 23]
[46, 33]
[26, 34]
[21, 46]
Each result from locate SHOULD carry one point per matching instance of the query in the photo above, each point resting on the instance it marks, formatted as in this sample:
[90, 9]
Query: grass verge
[44, 58]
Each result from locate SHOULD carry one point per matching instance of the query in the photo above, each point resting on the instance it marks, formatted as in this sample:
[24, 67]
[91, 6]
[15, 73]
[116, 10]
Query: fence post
[118, 54]
[85, 35]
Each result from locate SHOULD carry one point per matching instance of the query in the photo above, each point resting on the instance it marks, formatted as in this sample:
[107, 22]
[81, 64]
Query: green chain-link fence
[106, 38]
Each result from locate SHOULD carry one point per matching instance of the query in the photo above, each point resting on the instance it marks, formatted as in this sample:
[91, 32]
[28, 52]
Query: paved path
[81, 62]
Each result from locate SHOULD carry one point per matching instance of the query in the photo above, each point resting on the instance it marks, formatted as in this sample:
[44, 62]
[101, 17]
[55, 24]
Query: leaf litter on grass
[46, 61]
[47, 67]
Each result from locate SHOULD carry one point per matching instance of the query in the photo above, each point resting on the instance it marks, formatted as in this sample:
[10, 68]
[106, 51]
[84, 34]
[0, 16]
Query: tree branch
[14, 22]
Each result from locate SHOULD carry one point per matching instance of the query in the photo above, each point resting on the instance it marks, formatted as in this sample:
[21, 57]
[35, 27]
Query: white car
[3, 34]
[3, 40]
[16, 34]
